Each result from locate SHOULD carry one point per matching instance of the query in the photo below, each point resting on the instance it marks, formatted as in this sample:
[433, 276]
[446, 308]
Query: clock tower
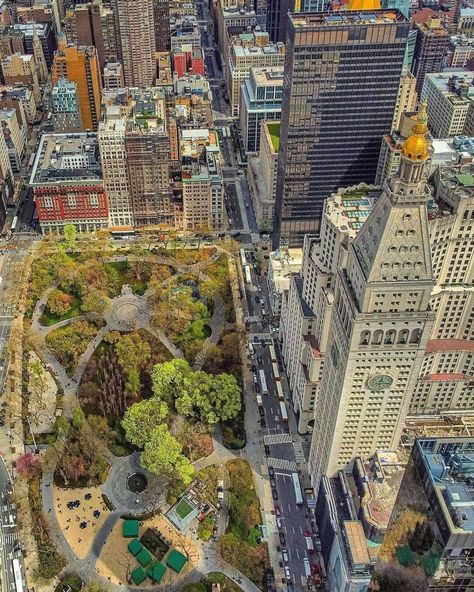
[381, 321]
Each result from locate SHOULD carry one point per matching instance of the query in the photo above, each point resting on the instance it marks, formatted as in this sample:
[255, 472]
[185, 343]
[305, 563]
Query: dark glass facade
[342, 74]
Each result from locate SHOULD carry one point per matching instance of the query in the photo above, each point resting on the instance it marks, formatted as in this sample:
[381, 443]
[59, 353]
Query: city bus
[248, 275]
[263, 382]
[14, 223]
[276, 373]
[273, 357]
[243, 258]
[279, 388]
[297, 487]
[283, 412]
[17, 575]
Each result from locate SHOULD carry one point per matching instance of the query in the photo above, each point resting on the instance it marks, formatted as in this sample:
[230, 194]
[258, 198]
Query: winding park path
[209, 559]
[114, 321]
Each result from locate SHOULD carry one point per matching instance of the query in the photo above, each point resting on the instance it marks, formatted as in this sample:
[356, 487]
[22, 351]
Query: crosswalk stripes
[299, 454]
[9, 539]
[283, 464]
[277, 439]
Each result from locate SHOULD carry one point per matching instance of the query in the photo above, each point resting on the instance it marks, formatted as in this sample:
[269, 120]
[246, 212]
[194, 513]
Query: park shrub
[244, 506]
[205, 528]
[251, 561]
[50, 562]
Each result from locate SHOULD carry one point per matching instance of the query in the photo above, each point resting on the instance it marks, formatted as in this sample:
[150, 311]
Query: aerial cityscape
[237, 295]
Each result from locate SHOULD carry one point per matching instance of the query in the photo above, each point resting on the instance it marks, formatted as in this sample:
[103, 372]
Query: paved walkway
[211, 560]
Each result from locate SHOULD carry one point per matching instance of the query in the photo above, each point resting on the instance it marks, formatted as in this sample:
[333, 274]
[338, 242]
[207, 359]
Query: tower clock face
[379, 382]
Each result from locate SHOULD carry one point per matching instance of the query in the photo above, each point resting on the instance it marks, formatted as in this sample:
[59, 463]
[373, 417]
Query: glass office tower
[342, 73]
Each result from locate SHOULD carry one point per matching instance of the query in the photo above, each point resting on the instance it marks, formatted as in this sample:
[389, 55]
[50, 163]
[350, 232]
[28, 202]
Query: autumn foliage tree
[59, 302]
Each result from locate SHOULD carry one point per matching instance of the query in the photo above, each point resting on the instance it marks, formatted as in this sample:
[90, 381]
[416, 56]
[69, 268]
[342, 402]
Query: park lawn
[126, 276]
[48, 318]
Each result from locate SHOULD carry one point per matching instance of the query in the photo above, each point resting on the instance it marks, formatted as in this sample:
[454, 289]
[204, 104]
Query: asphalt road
[9, 536]
[285, 453]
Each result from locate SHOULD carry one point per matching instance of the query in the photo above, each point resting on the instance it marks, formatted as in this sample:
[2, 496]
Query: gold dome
[416, 147]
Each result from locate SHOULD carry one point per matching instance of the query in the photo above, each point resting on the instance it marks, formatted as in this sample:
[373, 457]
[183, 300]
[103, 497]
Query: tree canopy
[141, 418]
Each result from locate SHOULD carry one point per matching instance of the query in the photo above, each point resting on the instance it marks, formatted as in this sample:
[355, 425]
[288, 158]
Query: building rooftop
[67, 158]
[452, 474]
[257, 50]
[457, 85]
[349, 208]
[317, 19]
[268, 76]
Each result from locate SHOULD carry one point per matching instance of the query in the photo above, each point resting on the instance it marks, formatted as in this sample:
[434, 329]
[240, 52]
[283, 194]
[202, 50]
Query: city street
[285, 450]
[13, 575]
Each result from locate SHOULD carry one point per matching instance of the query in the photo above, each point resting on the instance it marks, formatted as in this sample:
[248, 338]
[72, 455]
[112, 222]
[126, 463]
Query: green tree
[96, 587]
[141, 418]
[133, 384]
[163, 456]
[70, 235]
[59, 302]
[133, 352]
[95, 301]
[170, 380]
[78, 418]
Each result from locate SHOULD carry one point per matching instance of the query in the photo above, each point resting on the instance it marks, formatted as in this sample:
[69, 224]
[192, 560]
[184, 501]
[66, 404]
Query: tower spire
[416, 146]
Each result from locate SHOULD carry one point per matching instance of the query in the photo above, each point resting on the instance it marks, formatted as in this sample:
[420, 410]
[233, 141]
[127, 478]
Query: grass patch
[48, 318]
[183, 508]
[274, 131]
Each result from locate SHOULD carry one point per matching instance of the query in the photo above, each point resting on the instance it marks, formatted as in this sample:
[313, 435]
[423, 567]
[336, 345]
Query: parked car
[257, 299]
[259, 359]
[261, 410]
[257, 388]
[277, 510]
[274, 494]
[287, 574]
[273, 482]
[254, 368]
[285, 555]
[281, 536]
[271, 471]
[278, 523]
[267, 449]
[263, 423]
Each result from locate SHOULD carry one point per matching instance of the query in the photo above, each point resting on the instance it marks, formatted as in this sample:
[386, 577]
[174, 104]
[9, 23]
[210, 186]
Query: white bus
[297, 486]
[263, 382]
[283, 412]
[279, 388]
[243, 258]
[248, 275]
[14, 223]
[273, 357]
[17, 575]
[276, 373]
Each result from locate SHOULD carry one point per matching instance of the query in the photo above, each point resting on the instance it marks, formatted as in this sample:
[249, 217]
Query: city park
[133, 406]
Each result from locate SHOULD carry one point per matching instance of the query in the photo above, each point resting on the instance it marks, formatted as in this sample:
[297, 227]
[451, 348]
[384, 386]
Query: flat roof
[302, 20]
[67, 158]
[356, 542]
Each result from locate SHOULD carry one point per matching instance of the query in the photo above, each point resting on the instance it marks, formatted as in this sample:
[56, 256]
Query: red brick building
[67, 183]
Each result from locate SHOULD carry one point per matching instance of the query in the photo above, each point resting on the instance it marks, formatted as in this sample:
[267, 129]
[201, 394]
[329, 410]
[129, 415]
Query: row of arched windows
[390, 337]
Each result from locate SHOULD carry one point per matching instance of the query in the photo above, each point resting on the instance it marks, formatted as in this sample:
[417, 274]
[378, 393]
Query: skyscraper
[162, 25]
[381, 321]
[431, 44]
[342, 74]
[137, 35]
[80, 65]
